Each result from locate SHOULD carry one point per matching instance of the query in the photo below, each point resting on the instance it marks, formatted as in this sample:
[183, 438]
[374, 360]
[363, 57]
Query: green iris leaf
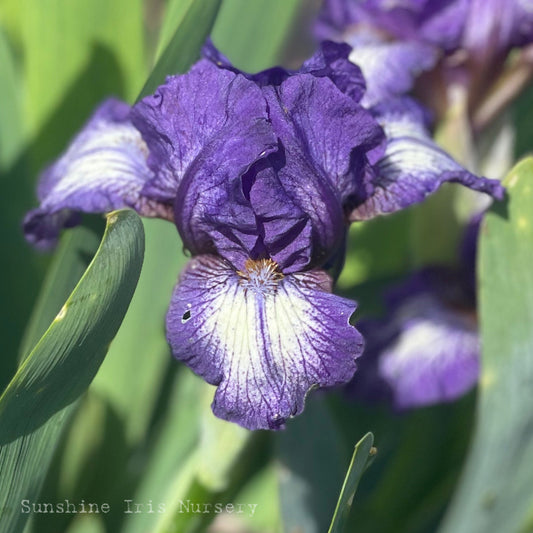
[37, 403]
[495, 493]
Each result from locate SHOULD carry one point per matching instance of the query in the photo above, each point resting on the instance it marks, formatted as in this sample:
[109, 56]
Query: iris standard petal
[204, 130]
[191, 114]
[325, 137]
[104, 168]
[300, 192]
[263, 338]
[330, 60]
[413, 166]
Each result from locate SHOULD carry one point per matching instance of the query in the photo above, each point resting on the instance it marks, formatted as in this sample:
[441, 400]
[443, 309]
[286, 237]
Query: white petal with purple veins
[434, 359]
[265, 339]
[103, 169]
[413, 165]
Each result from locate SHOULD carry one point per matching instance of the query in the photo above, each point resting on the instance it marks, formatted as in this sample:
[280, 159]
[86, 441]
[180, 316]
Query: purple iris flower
[412, 36]
[426, 349]
[261, 175]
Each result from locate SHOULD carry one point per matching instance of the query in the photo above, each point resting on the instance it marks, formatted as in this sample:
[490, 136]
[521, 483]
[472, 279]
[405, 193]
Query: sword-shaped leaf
[496, 490]
[39, 399]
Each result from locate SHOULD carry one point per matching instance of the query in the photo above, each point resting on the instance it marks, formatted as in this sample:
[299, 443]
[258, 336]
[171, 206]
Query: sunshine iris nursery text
[133, 507]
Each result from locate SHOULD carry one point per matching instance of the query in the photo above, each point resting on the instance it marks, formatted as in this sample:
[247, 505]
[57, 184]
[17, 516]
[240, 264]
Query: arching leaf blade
[361, 458]
[193, 26]
[39, 399]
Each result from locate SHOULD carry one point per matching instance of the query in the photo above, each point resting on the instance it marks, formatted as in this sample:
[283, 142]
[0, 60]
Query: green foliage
[413, 476]
[192, 22]
[59, 59]
[74, 54]
[254, 34]
[365, 260]
[70, 261]
[11, 125]
[67, 44]
[311, 455]
[362, 455]
[495, 491]
[12, 138]
[134, 371]
[38, 401]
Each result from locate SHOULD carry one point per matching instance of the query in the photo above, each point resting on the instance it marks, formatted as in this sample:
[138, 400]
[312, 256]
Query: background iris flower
[465, 44]
[426, 349]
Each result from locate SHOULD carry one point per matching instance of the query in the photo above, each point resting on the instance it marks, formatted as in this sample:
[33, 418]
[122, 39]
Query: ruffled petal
[300, 192]
[189, 116]
[329, 129]
[204, 130]
[413, 166]
[325, 137]
[285, 227]
[330, 60]
[103, 169]
[265, 340]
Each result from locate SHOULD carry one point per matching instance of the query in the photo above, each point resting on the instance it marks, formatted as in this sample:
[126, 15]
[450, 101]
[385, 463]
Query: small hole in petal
[185, 317]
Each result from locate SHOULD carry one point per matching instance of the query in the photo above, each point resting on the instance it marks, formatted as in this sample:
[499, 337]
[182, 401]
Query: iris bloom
[426, 349]
[261, 175]
[469, 38]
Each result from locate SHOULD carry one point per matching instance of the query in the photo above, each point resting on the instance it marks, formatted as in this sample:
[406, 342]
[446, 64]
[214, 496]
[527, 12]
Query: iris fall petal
[263, 338]
[413, 166]
[103, 169]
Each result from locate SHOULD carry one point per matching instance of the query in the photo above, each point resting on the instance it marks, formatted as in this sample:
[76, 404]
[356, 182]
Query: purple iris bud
[261, 174]
[426, 349]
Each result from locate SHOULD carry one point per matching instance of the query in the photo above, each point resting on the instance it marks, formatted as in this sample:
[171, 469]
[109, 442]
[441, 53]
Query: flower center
[261, 276]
